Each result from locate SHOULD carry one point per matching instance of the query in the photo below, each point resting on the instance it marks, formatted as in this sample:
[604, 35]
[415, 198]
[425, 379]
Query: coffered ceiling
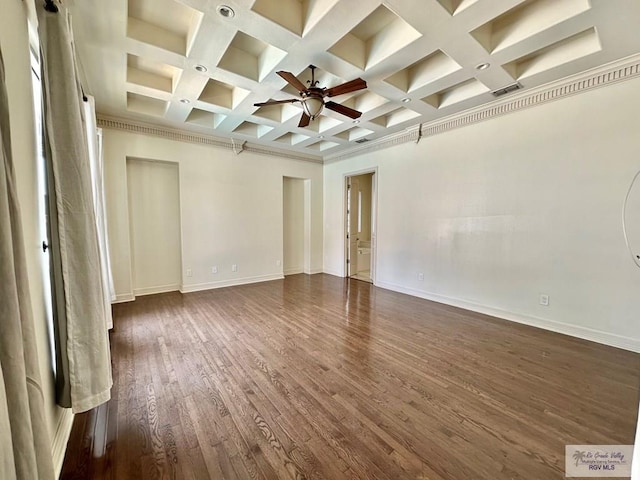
[183, 64]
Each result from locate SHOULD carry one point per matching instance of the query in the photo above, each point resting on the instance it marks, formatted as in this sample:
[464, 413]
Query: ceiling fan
[312, 97]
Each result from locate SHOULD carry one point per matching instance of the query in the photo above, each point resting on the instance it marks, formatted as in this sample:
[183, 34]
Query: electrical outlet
[234, 268]
[214, 269]
[421, 276]
[544, 299]
[189, 273]
[278, 263]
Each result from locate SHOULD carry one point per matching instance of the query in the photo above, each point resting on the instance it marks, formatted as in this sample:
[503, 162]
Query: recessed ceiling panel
[292, 138]
[456, 6]
[251, 58]
[327, 123]
[146, 105]
[431, 68]
[527, 20]
[205, 118]
[297, 16]
[458, 93]
[377, 37]
[396, 117]
[251, 129]
[278, 113]
[323, 145]
[151, 74]
[222, 94]
[573, 48]
[165, 24]
[354, 133]
[364, 101]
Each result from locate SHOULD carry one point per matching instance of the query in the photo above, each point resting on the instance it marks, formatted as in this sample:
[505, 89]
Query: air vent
[362, 140]
[507, 89]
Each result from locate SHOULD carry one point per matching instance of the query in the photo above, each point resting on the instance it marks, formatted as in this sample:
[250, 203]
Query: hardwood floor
[320, 377]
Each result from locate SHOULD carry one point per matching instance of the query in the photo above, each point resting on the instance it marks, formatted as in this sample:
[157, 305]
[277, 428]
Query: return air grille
[507, 89]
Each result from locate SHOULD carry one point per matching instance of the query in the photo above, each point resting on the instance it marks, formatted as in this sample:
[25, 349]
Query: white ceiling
[138, 59]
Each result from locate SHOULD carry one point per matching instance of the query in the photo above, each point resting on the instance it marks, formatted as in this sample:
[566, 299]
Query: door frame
[374, 219]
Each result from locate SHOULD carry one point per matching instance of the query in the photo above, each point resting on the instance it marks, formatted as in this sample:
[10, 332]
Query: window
[42, 201]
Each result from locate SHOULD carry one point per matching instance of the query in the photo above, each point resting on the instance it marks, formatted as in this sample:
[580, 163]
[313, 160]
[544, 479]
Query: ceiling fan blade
[352, 86]
[292, 80]
[349, 112]
[276, 102]
[304, 120]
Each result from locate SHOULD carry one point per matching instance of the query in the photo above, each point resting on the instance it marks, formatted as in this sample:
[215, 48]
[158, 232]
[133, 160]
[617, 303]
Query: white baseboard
[61, 438]
[335, 273]
[230, 283]
[174, 287]
[293, 271]
[598, 336]
[125, 297]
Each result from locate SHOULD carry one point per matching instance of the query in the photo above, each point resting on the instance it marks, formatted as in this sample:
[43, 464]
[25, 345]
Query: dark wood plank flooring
[320, 377]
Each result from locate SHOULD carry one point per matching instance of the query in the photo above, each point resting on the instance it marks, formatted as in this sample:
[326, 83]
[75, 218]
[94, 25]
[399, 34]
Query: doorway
[360, 226]
[154, 225]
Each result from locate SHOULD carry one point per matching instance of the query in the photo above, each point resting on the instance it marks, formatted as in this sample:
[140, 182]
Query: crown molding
[132, 126]
[618, 71]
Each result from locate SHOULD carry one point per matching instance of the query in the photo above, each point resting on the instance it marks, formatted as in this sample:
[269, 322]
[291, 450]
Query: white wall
[14, 41]
[497, 213]
[293, 211]
[230, 208]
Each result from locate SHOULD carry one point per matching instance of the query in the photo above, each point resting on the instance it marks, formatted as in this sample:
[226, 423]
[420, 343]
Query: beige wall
[293, 218]
[497, 213]
[231, 210]
[14, 41]
[154, 225]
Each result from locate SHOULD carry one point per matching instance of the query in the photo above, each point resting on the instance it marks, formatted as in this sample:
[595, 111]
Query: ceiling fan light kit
[312, 97]
[313, 106]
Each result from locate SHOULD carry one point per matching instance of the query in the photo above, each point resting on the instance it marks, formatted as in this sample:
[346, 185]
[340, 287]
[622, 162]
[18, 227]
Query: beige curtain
[83, 377]
[25, 447]
[94, 142]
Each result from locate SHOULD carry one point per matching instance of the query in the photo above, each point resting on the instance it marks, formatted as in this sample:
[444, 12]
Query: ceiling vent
[362, 140]
[507, 89]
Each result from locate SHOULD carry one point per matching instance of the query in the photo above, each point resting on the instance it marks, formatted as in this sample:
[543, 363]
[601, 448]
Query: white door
[154, 224]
